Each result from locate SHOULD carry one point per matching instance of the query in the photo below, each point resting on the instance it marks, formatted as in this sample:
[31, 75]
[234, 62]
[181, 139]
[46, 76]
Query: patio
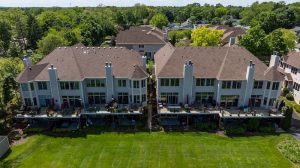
[187, 110]
[248, 113]
[118, 109]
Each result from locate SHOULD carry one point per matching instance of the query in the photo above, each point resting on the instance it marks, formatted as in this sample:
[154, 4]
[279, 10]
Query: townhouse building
[146, 40]
[220, 76]
[85, 76]
[290, 65]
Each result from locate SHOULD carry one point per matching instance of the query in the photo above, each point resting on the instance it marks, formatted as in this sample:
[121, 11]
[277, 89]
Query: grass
[290, 148]
[148, 150]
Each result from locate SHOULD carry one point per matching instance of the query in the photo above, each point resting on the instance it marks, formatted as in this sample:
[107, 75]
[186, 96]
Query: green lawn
[145, 150]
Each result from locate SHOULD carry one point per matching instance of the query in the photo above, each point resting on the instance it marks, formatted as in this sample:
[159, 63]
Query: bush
[206, 126]
[286, 121]
[235, 130]
[297, 108]
[290, 148]
[267, 129]
[253, 124]
[285, 91]
[290, 97]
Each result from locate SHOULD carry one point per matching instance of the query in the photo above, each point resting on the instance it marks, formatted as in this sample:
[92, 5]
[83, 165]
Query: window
[296, 86]
[24, 87]
[275, 86]
[143, 83]
[268, 85]
[141, 46]
[74, 85]
[226, 84]
[258, 84]
[236, 84]
[256, 100]
[42, 85]
[205, 82]
[169, 82]
[144, 97]
[95, 82]
[44, 100]
[27, 101]
[69, 85]
[265, 100]
[272, 101]
[229, 100]
[294, 70]
[174, 82]
[96, 98]
[136, 84]
[136, 99]
[31, 86]
[121, 83]
[71, 101]
[204, 97]
[123, 98]
[148, 54]
[169, 98]
[34, 101]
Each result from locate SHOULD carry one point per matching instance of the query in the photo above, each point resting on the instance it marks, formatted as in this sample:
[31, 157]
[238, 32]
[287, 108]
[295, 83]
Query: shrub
[285, 91]
[290, 148]
[286, 121]
[290, 97]
[253, 124]
[235, 130]
[206, 126]
[267, 129]
[297, 108]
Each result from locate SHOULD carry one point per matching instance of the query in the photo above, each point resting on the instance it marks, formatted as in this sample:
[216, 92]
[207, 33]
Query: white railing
[4, 145]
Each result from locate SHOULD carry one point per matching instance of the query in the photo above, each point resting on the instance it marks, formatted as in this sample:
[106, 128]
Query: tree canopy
[206, 37]
[159, 20]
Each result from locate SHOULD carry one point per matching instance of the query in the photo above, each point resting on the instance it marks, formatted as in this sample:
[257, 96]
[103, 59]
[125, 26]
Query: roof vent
[109, 47]
[121, 47]
[65, 47]
[76, 47]
[93, 47]
[59, 47]
[115, 47]
[81, 47]
[87, 47]
[104, 47]
[98, 47]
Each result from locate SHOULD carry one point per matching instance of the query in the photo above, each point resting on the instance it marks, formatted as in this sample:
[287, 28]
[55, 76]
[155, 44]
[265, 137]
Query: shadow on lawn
[8, 163]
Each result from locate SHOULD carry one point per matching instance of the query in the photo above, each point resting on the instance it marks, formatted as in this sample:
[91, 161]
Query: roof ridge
[170, 55]
[77, 64]
[223, 63]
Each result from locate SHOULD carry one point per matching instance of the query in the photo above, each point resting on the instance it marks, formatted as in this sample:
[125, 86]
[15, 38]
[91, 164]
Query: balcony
[250, 113]
[45, 112]
[116, 109]
[187, 110]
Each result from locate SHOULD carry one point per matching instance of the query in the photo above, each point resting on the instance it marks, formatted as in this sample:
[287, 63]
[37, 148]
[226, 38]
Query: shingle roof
[223, 63]
[77, 63]
[140, 35]
[228, 32]
[293, 58]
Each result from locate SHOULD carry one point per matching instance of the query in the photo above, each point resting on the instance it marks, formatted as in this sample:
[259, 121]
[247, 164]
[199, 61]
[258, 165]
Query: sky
[86, 3]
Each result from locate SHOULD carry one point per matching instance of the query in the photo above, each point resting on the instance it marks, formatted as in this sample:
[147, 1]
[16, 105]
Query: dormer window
[294, 70]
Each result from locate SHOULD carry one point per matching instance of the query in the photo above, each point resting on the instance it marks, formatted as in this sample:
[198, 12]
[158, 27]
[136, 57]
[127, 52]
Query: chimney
[250, 81]
[54, 85]
[274, 61]
[144, 61]
[232, 41]
[187, 82]
[109, 82]
[27, 62]
[165, 35]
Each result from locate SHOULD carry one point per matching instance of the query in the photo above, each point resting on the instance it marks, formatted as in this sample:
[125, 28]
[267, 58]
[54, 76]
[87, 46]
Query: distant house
[230, 33]
[144, 39]
[290, 64]
[224, 76]
[297, 30]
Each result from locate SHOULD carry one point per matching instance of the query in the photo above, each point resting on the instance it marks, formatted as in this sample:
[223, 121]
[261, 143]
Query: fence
[4, 145]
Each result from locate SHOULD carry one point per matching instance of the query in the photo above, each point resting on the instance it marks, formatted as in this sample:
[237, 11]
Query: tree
[285, 17]
[286, 121]
[276, 42]
[34, 32]
[5, 37]
[267, 21]
[255, 41]
[92, 33]
[53, 40]
[289, 38]
[206, 37]
[159, 20]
